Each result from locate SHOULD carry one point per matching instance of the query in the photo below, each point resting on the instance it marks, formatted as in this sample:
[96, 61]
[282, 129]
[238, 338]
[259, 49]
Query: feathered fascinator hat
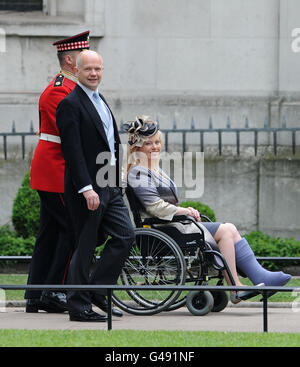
[140, 130]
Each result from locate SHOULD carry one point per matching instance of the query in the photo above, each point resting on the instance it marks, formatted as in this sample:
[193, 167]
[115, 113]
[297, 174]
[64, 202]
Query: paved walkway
[236, 318]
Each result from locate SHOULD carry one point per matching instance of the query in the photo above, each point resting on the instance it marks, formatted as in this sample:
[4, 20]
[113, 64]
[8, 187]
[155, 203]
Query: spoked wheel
[199, 303]
[155, 259]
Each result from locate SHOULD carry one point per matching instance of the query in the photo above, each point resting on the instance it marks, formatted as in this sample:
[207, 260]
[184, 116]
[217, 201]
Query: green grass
[13, 279]
[135, 338]
[22, 279]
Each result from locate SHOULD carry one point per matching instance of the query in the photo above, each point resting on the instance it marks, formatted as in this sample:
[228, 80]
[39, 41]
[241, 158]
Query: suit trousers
[53, 246]
[112, 217]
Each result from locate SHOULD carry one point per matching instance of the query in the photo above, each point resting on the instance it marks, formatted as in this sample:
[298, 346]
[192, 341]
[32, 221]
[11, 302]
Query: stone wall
[255, 193]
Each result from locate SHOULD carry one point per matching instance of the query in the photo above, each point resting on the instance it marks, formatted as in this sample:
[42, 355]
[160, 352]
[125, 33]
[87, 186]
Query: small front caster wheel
[199, 303]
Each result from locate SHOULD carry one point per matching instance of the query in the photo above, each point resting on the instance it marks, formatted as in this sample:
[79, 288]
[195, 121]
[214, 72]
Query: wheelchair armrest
[176, 218]
[180, 218]
[155, 221]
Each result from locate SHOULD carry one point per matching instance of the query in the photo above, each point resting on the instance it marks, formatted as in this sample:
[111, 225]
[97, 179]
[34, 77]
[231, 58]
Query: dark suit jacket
[82, 139]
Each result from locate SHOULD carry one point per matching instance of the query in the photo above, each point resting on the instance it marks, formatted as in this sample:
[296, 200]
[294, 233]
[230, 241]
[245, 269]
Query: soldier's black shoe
[87, 316]
[55, 300]
[36, 305]
[101, 302]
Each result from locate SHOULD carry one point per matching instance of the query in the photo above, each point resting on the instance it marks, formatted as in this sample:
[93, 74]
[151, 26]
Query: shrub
[13, 245]
[267, 246]
[202, 208]
[26, 210]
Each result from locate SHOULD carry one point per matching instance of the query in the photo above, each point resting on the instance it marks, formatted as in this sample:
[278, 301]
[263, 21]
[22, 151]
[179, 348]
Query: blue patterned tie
[106, 118]
[101, 110]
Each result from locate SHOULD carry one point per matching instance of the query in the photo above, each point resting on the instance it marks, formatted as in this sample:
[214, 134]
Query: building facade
[183, 60]
[170, 59]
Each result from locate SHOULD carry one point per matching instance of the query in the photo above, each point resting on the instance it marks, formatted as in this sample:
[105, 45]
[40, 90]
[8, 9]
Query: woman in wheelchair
[158, 195]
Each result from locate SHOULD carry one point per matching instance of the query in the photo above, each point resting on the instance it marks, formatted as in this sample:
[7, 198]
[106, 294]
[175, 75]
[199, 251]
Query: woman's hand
[190, 212]
[194, 213]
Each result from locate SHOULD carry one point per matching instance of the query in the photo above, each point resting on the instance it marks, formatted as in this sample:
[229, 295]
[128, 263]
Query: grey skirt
[212, 227]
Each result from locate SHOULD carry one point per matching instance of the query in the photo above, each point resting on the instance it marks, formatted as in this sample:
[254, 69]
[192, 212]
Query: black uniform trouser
[112, 217]
[53, 246]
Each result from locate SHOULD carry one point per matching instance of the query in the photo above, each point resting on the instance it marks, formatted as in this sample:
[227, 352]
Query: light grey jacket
[155, 191]
[159, 197]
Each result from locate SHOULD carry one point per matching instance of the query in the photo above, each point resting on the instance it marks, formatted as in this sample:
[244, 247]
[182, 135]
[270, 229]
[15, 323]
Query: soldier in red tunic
[53, 246]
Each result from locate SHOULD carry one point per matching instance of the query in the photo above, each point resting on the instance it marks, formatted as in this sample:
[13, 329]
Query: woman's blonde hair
[132, 159]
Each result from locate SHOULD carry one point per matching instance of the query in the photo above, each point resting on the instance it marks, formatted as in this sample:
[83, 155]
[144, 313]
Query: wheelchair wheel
[155, 259]
[199, 303]
[220, 300]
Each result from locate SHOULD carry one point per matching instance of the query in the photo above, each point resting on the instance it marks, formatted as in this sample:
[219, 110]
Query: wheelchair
[162, 255]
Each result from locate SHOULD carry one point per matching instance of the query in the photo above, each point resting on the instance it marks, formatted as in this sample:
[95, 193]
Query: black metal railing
[14, 133]
[220, 132]
[271, 141]
[258, 258]
[202, 132]
[110, 288]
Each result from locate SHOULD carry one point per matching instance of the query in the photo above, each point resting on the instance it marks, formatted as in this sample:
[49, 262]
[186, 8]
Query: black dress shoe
[87, 316]
[55, 300]
[102, 303]
[34, 305]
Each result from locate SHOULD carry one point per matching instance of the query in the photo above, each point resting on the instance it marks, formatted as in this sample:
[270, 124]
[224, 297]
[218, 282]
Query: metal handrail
[263, 290]
[258, 258]
[110, 288]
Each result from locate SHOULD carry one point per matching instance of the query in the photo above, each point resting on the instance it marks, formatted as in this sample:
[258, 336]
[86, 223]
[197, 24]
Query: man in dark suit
[90, 145]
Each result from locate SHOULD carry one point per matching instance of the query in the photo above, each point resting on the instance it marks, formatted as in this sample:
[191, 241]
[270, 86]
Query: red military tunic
[48, 165]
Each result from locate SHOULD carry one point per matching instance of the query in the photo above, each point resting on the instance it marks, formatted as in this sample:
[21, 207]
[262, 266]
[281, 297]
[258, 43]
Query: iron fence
[273, 133]
[14, 133]
[237, 131]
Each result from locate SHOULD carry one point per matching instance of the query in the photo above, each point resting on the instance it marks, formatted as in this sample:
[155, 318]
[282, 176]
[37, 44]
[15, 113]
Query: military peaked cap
[77, 42]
